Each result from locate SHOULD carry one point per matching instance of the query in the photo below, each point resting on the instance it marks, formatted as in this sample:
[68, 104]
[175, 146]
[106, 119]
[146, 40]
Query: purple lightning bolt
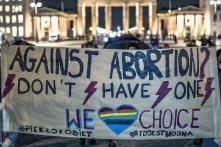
[162, 92]
[8, 85]
[208, 89]
[90, 91]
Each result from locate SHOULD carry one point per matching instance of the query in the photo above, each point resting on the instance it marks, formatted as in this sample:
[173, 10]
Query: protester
[154, 42]
[126, 41]
[203, 40]
[9, 138]
[133, 47]
[210, 142]
[89, 44]
[9, 141]
[166, 45]
[175, 39]
[218, 54]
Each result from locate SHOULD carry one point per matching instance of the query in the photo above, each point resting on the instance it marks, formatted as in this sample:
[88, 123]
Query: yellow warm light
[32, 5]
[180, 25]
[54, 21]
[21, 31]
[20, 18]
[101, 30]
[133, 29]
[14, 31]
[80, 31]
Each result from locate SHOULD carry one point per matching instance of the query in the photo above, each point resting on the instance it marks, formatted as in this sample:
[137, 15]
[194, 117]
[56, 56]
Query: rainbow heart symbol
[120, 119]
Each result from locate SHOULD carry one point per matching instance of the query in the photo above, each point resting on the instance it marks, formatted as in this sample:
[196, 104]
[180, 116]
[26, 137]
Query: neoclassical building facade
[106, 16]
[114, 12]
[191, 21]
[188, 21]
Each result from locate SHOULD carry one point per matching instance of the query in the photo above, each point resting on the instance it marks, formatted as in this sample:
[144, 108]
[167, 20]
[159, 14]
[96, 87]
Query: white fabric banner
[111, 94]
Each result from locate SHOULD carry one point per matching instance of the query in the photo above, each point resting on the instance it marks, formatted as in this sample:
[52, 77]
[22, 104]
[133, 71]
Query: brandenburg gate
[108, 7]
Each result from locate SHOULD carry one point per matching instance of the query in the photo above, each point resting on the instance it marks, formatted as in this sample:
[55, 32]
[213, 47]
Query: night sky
[70, 5]
[164, 4]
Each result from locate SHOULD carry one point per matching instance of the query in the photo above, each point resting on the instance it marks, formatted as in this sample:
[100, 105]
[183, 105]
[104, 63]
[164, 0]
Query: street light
[215, 3]
[35, 5]
[169, 7]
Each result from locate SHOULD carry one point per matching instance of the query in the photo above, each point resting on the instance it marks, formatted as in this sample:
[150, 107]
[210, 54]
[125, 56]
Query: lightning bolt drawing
[162, 92]
[8, 85]
[90, 91]
[208, 89]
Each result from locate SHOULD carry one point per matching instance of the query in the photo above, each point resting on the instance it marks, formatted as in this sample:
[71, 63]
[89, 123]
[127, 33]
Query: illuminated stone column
[175, 26]
[208, 17]
[201, 31]
[81, 18]
[196, 26]
[180, 25]
[125, 17]
[153, 17]
[79, 23]
[108, 17]
[150, 16]
[198, 29]
[140, 30]
[138, 17]
[159, 27]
